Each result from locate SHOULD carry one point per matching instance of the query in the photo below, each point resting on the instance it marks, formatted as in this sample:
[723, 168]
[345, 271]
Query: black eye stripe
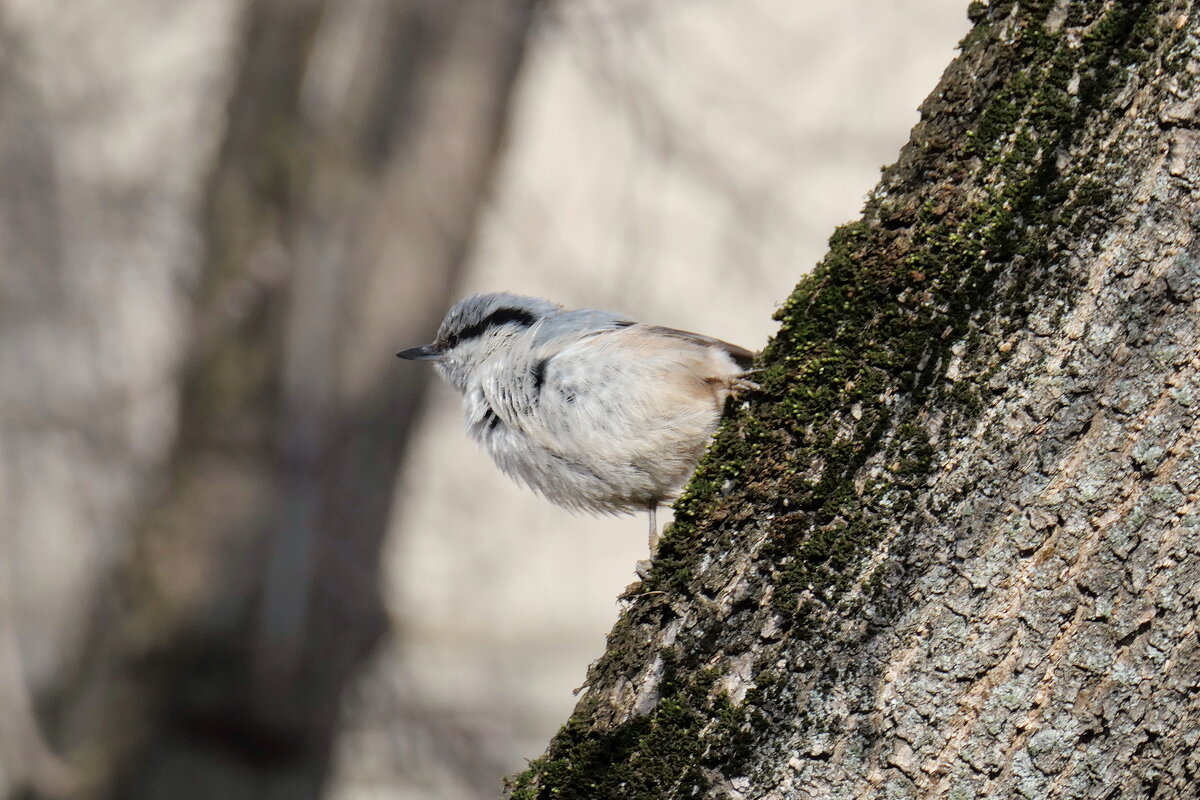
[501, 316]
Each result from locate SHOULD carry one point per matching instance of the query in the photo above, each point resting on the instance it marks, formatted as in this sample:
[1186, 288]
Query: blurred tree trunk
[27, 215]
[362, 137]
[952, 549]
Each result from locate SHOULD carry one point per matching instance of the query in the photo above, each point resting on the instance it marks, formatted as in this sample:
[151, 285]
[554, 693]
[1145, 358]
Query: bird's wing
[740, 355]
[573, 325]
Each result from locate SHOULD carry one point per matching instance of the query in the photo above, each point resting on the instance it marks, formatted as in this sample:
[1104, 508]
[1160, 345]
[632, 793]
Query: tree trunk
[951, 549]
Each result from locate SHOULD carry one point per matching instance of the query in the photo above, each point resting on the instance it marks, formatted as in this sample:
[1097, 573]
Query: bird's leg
[643, 567]
[652, 507]
[741, 383]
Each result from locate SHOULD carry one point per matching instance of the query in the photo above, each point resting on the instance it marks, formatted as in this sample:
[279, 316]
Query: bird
[594, 411]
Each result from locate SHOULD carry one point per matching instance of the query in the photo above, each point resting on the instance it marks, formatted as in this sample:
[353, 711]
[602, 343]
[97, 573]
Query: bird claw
[742, 385]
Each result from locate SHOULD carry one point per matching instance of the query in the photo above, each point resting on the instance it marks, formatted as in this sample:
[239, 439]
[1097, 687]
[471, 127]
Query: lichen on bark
[834, 611]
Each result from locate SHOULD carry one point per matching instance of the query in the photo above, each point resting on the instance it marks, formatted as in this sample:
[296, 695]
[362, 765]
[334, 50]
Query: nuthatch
[594, 411]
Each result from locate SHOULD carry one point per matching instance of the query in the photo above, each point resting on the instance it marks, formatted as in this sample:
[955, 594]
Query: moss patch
[640, 759]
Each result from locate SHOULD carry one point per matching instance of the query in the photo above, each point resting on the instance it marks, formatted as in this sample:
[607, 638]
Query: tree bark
[951, 549]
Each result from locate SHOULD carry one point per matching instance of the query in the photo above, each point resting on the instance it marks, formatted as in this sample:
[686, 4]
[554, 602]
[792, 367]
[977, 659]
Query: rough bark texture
[951, 549]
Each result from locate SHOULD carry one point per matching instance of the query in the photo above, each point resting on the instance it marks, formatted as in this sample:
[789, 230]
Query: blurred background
[244, 551]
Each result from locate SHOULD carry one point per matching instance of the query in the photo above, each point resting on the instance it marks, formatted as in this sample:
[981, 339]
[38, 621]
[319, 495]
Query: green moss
[836, 449]
[645, 758]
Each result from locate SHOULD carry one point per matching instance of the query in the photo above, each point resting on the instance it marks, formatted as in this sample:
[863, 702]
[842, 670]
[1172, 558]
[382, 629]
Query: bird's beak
[425, 352]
